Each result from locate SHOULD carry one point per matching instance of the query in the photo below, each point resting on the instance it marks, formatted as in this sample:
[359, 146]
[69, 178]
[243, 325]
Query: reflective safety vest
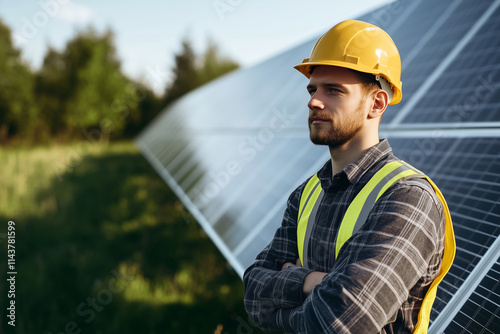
[358, 212]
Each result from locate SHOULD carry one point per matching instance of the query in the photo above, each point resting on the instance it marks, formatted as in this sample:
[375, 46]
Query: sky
[149, 32]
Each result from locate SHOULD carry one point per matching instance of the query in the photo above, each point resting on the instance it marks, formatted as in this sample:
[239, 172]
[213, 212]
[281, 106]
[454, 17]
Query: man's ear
[380, 101]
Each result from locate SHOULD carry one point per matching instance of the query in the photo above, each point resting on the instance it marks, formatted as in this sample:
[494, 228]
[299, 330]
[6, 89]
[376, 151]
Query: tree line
[82, 90]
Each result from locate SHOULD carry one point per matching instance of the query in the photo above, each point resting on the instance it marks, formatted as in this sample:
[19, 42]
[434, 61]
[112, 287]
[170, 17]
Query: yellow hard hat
[362, 47]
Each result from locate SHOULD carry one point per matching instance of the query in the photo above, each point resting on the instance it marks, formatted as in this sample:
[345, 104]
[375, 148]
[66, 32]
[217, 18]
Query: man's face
[336, 107]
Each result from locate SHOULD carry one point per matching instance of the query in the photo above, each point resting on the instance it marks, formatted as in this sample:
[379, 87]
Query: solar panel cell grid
[481, 313]
[430, 55]
[469, 179]
[469, 89]
[407, 38]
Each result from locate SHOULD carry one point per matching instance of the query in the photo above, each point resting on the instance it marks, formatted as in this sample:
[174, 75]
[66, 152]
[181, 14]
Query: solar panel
[481, 314]
[467, 170]
[233, 150]
[465, 91]
[429, 32]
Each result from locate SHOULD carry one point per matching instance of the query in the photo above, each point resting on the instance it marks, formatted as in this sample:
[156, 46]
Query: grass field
[103, 246]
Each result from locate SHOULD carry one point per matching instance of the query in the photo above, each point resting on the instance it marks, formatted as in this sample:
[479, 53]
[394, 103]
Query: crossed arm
[312, 279]
[372, 278]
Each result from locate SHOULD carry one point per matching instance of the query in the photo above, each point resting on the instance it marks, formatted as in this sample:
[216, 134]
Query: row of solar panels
[234, 149]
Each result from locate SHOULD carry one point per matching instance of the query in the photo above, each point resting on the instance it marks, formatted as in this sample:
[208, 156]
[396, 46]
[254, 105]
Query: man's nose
[315, 102]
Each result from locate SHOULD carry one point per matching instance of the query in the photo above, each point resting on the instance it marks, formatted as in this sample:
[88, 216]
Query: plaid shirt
[382, 272]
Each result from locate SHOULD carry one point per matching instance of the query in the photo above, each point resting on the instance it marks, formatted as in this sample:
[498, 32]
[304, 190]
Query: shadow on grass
[119, 254]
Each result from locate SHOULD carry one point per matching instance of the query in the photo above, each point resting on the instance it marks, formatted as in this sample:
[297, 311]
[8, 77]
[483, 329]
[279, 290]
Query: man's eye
[311, 91]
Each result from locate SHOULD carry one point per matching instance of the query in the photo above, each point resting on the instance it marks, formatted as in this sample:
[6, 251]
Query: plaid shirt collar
[355, 170]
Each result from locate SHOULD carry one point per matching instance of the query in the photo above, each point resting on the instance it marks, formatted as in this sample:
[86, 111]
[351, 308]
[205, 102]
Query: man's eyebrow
[326, 84]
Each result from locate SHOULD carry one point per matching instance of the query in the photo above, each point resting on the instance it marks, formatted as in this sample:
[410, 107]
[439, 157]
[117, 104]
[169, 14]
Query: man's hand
[312, 279]
[288, 264]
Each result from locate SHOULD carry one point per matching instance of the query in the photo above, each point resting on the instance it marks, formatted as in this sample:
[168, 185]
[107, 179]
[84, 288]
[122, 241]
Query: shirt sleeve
[400, 244]
[268, 289]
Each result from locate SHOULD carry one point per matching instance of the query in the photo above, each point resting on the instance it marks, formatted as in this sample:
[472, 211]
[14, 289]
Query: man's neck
[349, 152]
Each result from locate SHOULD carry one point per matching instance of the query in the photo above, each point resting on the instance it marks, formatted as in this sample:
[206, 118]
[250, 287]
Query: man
[314, 277]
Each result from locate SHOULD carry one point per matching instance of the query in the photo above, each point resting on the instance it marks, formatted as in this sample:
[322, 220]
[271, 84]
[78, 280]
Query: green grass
[104, 246]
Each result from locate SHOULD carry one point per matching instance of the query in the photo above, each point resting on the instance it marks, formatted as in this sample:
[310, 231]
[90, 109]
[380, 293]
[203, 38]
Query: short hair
[368, 82]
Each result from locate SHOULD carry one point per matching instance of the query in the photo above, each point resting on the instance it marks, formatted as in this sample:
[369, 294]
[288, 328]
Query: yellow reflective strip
[306, 192]
[354, 209]
[410, 166]
[448, 257]
[389, 183]
[305, 212]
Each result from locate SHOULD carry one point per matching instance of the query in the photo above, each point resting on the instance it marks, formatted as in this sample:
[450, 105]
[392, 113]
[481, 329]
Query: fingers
[288, 264]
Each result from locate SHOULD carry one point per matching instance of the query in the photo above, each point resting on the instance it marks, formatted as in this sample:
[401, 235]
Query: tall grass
[103, 246]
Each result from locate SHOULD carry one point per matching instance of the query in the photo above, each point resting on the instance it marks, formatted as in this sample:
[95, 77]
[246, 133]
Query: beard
[335, 134]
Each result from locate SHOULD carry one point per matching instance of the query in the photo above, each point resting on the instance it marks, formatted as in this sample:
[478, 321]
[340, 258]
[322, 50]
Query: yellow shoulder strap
[448, 257]
[360, 207]
[308, 199]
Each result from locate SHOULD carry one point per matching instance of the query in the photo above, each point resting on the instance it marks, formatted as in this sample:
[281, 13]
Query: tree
[214, 65]
[185, 76]
[101, 93]
[52, 91]
[147, 108]
[191, 71]
[83, 87]
[17, 104]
